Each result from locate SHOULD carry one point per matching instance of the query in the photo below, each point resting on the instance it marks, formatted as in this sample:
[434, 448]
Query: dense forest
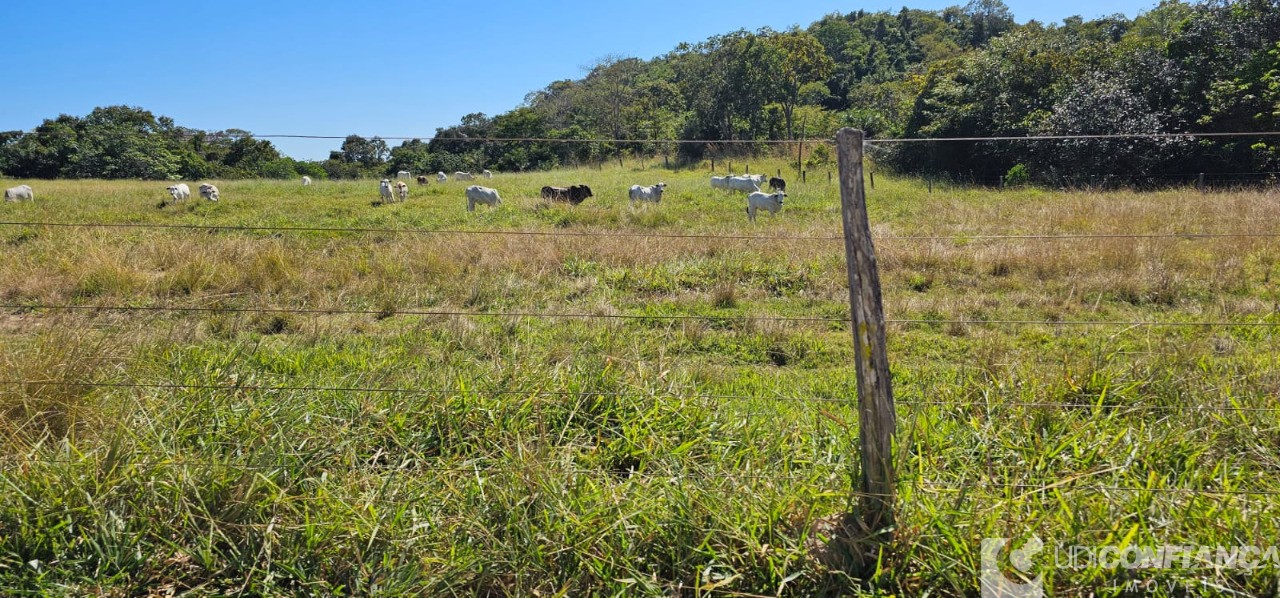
[966, 71]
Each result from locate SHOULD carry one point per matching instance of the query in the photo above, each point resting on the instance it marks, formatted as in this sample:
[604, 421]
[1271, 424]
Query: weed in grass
[725, 297]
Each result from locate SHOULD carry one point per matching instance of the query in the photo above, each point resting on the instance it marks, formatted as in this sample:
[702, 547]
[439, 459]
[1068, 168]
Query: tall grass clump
[46, 393]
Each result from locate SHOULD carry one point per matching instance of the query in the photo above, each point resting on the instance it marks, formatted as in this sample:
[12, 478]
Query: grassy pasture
[692, 436]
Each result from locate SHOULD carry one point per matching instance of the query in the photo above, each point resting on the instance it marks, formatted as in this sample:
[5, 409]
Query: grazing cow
[402, 190]
[403, 174]
[764, 201]
[463, 176]
[653, 193]
[209, 191]
[746, 183]
[486, 174]
[441, 177]
[477, 194]
[422, 179]
[21, 192]
[179, 192]
[575, 194]
[777, 184]
[306, 181]
[384, 189]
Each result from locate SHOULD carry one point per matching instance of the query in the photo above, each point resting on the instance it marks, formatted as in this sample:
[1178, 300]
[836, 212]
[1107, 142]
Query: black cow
[777, 184]
[422, 179]
[575, 194]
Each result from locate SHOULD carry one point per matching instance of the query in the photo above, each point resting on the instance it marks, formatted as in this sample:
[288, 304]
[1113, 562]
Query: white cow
[209, 191]
[402, 190]
[652, 193]
[748, 183]
[306, 181]
[179, 192]
[384, 188]
[463, 176]
[764, 201]
[403, 175]
[19, 193]
[486, 174]
[477, 194]
[441, 177]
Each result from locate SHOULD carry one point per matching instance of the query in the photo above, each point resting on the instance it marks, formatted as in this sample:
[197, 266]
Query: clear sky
[387, 68]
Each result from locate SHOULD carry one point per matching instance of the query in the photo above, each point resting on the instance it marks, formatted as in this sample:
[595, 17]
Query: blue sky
[391, 69]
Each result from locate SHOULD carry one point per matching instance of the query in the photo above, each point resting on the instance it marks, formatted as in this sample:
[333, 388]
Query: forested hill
[970, 71]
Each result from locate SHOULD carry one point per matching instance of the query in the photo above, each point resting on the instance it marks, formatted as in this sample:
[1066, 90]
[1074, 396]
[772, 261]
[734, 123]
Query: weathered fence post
[930, 185]
[1200, 182]
[876, 418]
[873, 179]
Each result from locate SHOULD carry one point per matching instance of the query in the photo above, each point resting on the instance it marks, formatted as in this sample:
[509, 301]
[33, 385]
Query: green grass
[385, 453]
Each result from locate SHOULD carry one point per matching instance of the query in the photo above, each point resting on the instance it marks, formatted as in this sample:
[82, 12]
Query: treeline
[971, 71]
[123, 142]
[966, 71]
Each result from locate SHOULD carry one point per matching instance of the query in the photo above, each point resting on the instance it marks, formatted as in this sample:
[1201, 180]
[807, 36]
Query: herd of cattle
[398, 191]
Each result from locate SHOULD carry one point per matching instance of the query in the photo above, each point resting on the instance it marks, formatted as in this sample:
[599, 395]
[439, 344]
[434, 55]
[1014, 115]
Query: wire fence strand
[637, 393]
[1190, 235]
[385, 313]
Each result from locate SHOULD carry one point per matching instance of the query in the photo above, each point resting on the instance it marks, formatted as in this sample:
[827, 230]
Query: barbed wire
[640, 393]
[411, 464]
[589, 316]
[807, 140]
[630, 234]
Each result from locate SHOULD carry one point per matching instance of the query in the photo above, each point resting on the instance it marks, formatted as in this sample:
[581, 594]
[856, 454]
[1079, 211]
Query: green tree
[369, 153]
[801, 61]
[412, 155]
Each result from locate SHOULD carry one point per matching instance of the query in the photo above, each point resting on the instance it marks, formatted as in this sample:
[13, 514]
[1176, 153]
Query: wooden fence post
[1200, 182]
[876, 417]
[873, 179]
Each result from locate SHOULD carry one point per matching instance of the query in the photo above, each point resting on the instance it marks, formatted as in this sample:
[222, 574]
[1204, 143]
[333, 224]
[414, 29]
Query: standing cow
[179, 192]
[19, 193]
[651, 193]
[482, 195]
[384, 189]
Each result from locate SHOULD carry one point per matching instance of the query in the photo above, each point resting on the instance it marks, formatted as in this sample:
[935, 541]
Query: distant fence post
[1200, 182]
[876, 418]
[873, 179]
